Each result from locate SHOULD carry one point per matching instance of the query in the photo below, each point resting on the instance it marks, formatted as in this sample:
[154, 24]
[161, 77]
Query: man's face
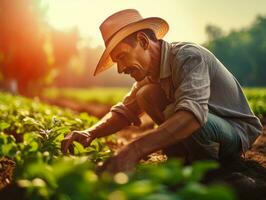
[132, 60]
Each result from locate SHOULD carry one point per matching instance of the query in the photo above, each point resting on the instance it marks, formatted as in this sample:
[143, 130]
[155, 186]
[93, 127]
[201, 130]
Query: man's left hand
[124, 161]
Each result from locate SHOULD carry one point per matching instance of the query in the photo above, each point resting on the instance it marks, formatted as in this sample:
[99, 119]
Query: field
[96, 94]
[33, 167]
[257, 100]
[256, 96]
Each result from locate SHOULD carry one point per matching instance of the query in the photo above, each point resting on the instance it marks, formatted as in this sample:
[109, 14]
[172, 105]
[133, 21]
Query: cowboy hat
[120, 25]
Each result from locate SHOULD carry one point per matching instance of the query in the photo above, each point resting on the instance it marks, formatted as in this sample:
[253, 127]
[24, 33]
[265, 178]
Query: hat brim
[158, 25]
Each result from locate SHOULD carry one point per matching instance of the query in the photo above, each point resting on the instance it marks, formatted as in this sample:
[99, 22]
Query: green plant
[30, 134]
[257, 100]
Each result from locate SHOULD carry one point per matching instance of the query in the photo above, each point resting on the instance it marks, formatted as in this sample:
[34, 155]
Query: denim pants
[217, 140]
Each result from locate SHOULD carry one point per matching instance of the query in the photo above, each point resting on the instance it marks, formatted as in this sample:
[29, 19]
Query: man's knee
[153, 95]
[152, 99]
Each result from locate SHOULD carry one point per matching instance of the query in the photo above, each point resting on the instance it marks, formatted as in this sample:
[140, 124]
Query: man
[197, 103]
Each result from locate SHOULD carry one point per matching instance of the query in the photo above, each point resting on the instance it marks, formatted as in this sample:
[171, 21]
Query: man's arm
[181, 125]
[111, 123]
[120, 116]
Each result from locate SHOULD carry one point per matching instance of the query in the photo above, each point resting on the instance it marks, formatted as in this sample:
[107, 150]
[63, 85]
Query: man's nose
[120, 67]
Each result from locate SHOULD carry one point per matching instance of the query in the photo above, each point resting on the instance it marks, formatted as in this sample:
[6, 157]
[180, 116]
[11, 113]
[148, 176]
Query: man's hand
[83, 137]
[124, 161]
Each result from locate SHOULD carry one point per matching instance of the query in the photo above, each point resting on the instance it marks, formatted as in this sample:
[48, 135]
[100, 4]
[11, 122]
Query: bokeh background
[57, 43]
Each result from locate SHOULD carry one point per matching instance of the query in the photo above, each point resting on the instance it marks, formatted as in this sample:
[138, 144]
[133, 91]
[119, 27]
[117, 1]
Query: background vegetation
[242, 51]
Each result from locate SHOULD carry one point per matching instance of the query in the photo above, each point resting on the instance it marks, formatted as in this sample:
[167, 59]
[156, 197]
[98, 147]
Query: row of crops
[256, 96]
[97, 94]
[30, 136]
[257, 100]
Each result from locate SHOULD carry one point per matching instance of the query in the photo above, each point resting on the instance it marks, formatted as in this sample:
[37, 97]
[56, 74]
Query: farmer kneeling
[198, 104]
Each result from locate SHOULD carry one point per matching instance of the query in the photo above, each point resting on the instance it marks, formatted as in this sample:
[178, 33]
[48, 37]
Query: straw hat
[120, 25]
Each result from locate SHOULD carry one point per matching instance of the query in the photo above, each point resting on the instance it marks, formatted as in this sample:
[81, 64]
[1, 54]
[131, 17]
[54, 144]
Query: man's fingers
[101, 169]
[110, 165]
[63, 146]
[71, 148]
[67, 142]
[87, 142]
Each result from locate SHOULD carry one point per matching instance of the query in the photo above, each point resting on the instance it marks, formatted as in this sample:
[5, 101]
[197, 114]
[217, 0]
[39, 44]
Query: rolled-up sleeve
[192, 84]
[129, 107]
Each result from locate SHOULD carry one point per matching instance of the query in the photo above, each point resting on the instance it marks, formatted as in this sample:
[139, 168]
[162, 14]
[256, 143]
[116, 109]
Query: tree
[64, 45]
[29, 47]
[213, 32]
[21, 42]
[243, 52]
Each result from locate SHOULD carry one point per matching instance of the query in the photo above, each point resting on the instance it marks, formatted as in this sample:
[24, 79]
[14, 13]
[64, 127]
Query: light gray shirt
[195, 80]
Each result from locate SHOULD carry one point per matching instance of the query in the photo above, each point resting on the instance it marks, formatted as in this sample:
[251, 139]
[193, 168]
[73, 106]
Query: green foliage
[111, 95]
[243, 52]
[75, 178]
[257, 100]
[29, 128]
[30, 134]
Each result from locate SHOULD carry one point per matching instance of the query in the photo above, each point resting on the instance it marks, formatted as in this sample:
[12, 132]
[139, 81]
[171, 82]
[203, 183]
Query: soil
[246, 175]
[6, 171]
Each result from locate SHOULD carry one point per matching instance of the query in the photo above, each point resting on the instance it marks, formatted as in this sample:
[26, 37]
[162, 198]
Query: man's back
[225, 97]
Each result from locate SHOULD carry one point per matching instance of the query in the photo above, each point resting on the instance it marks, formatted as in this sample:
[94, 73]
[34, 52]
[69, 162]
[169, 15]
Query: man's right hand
[83, 137]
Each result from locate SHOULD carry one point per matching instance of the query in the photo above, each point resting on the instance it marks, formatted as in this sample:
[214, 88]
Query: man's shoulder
[184, 50]
[187, 48]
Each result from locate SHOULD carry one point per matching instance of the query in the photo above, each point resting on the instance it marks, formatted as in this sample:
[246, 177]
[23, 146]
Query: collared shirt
[195, 80]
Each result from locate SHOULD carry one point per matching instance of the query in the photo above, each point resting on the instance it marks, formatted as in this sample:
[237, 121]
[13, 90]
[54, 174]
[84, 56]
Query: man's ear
[143, 40]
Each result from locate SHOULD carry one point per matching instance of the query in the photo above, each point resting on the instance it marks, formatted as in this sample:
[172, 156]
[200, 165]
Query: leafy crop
[30, 134]
[30, 130]
[75, 178]
[257, 100]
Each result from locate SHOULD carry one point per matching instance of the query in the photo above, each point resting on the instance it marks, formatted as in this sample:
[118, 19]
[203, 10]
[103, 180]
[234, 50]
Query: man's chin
[138, 78]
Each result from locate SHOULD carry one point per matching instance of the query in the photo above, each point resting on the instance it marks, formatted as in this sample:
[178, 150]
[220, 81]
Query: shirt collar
[165, 70]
